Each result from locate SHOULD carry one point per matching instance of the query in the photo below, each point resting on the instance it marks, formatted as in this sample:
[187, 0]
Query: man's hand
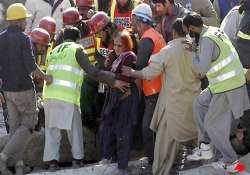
[123, 86]
[127, 71]
[247, 75]
[188, 45]
[48, 79]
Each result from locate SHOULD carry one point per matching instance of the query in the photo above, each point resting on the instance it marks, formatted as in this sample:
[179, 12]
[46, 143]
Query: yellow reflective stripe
[243, 35]
[67, 84]
[66, 68]
[223, 63]
[112, 11]
[90, 50]
[225, 76]
[98, 44]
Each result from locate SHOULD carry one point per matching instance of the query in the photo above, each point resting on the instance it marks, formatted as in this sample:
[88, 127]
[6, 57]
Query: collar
[177, 40]
[14, 28]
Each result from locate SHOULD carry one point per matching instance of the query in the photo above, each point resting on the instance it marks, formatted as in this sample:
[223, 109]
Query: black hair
[163, 1]
[178, 27]
[71, 33]
[193, 19]
[244, 5]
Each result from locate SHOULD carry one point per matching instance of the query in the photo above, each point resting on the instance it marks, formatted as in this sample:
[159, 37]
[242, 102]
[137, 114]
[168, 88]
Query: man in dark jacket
[17, 63]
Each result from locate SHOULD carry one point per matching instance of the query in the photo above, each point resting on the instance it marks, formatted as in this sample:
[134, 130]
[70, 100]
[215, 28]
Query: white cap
[144, 11]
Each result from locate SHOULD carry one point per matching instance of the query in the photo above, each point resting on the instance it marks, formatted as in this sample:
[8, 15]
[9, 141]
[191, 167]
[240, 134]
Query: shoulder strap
[72, 3]
[55, 6]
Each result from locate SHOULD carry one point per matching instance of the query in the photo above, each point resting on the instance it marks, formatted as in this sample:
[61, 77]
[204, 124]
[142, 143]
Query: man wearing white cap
[150, 43]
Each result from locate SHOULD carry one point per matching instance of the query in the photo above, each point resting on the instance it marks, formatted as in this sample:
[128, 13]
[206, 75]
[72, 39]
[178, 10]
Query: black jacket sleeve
[145, 50]
[98, 75]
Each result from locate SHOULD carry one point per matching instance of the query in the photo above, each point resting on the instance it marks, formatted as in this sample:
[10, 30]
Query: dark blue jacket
[16, 60]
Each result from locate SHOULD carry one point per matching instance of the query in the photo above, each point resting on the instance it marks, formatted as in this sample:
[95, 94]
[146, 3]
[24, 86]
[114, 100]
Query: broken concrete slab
[134, 166]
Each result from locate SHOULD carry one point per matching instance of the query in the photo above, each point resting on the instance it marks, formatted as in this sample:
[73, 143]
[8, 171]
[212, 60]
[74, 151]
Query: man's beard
[195, 35]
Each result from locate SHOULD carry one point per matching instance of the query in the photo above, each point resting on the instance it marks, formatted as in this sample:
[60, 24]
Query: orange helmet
[98, 21]
[49, 24]
[71, 16]
[40, 36]
[85, 3]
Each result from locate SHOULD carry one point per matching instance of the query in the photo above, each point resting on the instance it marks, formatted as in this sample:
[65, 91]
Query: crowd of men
[173, 70]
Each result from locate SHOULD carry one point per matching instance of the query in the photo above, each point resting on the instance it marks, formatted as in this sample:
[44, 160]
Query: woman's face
[118, 46]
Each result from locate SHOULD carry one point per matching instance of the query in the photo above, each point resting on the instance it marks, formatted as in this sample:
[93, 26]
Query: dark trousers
[117, 127]
[148, 134]
[116, 144]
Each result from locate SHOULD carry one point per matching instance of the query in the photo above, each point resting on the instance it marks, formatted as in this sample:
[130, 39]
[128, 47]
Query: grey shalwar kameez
[214, 113]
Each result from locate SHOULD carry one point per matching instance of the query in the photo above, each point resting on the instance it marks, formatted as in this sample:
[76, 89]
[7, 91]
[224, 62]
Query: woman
[120, 108]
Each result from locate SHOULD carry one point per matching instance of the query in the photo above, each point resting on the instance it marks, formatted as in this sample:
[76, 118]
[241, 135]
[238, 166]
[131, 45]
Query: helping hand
[123, 86]
[188, 45]
[127, 71]
[48, 79]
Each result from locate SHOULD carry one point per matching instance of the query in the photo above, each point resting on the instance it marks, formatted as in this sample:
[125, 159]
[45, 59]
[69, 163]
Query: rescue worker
[86, 8]
[91, 100]
[173, 120]
[150, 43]
[17, 64]
[121, 11]
[168, 11]
[62, 98]
[230, 24]
[40, 39]
[242, 46]
[48, 24]
[101, 25]
[225, 99]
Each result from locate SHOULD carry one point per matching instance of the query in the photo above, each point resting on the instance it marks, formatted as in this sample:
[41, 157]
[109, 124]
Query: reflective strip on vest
[225, 76]
[243, 35]
[223, 63]
[66, 68]
[67, 84]
[90, 50]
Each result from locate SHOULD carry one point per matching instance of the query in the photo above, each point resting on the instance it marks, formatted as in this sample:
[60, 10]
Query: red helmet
[98, 21]
[85, 3]
[40, 36]
[71, 16]
[49, 24]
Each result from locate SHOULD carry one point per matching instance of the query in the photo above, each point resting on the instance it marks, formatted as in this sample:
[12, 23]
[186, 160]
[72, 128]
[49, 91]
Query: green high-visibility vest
[67, 74]
[226, 72]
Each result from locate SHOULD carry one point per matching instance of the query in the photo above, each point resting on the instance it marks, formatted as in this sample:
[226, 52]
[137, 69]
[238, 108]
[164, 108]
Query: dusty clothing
[22, 120]
[61, 115]
[42, 8]
[17, 60]
[173, 116]
[204, 8]
[164, 27]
